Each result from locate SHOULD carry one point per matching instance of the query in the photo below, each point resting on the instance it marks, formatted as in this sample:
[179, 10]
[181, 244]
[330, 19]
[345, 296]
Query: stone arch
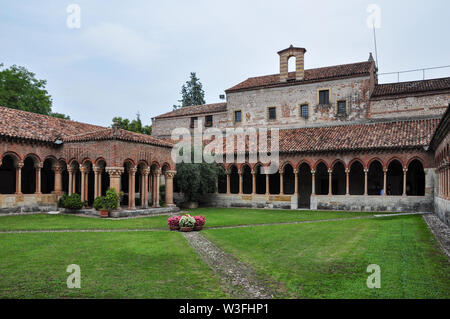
[74, 165]
[101, 164]
[415, 178]
[394, 179]
[48, 175]
[338, 180]
[288, 179]
[29, 180]
[125, 186]
[321, 178]
[304, 184]
[375, 159]
[318, 162]
[260, 185]
[89, 186]
[222, 181]
[234, 179]
[356, 177]
[247, 179]
[375, 177]
[8, 173]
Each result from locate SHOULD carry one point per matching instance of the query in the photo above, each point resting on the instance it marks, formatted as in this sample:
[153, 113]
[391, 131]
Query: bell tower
[299, 54]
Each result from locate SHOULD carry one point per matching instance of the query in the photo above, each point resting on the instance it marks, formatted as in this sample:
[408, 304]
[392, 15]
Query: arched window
[29, 176]
[8, 175]
[48, 177]
[322, 179]
[304, 185]
[338, 179]
[288, 179]
[234, 180]
[356, 179]
[375, 178]
[247, 180]
[394, 182]
[415, 179]
[292, 67]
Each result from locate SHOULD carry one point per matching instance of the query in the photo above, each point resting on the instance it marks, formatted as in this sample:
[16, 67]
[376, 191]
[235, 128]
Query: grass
[119, 265]
[214, 217]
[329, 260]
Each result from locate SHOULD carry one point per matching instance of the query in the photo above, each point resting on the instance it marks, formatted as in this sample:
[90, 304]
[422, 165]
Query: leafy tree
[191, 92]
[60, 115]
[20, 90]
[134, 125]
[197, 179]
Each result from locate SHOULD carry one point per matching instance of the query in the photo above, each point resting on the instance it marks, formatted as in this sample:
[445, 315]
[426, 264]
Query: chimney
[299, 54]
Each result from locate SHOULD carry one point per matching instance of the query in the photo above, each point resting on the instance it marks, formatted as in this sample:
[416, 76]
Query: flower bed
[186, 223]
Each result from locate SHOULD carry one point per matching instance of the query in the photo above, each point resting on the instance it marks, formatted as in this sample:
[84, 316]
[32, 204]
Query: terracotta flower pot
[198, 228]
[174, 228]
[186, 229]
[104, 213]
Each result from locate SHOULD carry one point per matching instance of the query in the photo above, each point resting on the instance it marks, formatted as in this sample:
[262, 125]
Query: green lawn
[214, 217]
[113, 265]
[329, 260]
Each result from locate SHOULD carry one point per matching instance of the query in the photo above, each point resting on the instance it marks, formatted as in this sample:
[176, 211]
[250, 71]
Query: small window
[193, 121]
[208, 120]
[304, 111]
[342, 107]
[237, 116]
[324, 97]
[272, 113]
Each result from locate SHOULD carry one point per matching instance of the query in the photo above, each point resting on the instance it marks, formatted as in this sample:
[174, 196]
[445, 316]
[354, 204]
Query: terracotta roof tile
[311, 75]
[195, 109]
[382, 90]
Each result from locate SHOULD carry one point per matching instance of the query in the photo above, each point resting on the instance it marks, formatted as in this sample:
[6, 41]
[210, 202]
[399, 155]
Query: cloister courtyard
[281, 254]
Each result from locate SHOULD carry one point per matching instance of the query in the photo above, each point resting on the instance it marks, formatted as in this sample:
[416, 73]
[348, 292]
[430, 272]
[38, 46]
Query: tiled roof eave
[187, 115]
[118, 138]
[404, 95]
[25, 139]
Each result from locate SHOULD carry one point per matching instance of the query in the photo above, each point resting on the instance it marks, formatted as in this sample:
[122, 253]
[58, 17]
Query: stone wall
[373, 203]
[27, 203]
[442, 209]
[425, 105]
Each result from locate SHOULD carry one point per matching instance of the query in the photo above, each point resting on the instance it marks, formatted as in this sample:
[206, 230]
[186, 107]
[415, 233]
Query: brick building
[42, 157]
[346, 142]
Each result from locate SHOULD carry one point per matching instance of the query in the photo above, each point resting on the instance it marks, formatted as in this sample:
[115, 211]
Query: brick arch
[142, 162]
[128, 160]
[155, 163]
[287, 163]
[303, 161]
[415, 158]
[16, 156]
[62, 160]
[165, 164]
[338, 161]
[34, 156]
[100, 159]
[373, 160]
[87, 159]
[394, 158]
[72, 160]
[320, 161]
[256, 165]
[357, 159]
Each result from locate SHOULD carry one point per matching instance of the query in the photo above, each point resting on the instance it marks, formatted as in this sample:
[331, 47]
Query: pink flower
[174, 221]
[200, 220]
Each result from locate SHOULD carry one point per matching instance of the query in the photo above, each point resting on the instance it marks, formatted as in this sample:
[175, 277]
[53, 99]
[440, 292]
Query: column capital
[39, 165]
[330, 171]
[97, 169]
[115, 171]
[405, 170]
[366, 170]
[145, 171]
[58, 169]
[313, 171]
[295, 171]
[20, 165]
[132, 170]
[157, 172]
[347, 170]
[170, 174]
[84, 169]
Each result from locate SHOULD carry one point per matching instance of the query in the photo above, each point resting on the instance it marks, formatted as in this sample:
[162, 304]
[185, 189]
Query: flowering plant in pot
[199, 222]
[187, 223]
[174, 222]
[100, 205]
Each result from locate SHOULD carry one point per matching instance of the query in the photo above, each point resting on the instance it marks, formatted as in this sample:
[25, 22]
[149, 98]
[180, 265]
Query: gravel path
[440, 231]
[240, 280]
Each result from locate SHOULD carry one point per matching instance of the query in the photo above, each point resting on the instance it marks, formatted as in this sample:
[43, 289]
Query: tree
[191, 93]
[20, 90]
[197, 179]
[134, 125]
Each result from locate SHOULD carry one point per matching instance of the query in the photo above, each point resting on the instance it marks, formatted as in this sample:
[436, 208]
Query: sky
[131, 56]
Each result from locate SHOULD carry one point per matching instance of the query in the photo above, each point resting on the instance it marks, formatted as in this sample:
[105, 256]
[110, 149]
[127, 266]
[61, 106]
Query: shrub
[112, 199]
[162, 195]
[187, 221]
[200, 220]
[73, 202]
[174, 221]
[100, 203]
[62, 201]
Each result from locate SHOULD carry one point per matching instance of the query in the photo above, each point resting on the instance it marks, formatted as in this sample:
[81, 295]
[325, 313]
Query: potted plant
[199, 222]
[187, 223]
[73, 203]
[112, 200]
[174, 222]
[100, 205]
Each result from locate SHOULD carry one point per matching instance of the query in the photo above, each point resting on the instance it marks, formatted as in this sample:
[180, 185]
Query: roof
[194, 110]
[357, 137]
[442, 130]
[389, 89]
[37, 127]
[311, 75]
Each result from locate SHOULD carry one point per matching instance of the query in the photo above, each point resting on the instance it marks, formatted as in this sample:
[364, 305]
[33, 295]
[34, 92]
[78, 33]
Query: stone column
[404, 181]
[38, 168]
[156, 176]
[98, 181]
[385, 182]
[296, 182]
[145, 186]
[281, 182]
[131, 187]
[84, 171]
[366, 184]
[241, 182]
[58, 170]
[114, 177]
[267, 182]
[253, 182]
[70, 170]
[313, 182]
[347, 181]
[19, 178]
[330, 178]
[169, 175]
[228, 182]
[448, 180]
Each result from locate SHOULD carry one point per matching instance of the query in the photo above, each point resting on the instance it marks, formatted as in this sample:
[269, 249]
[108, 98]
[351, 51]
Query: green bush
[73, 202]
[62, 201]
[162, 195]
[100, 203]
[112, 199]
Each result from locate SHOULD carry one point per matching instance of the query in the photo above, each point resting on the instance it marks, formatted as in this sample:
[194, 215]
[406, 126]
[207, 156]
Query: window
[324, 97]
[272, 113]
[342, 107]
[237, 116]
[193, 121]
[304, 111]
[208, 120]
